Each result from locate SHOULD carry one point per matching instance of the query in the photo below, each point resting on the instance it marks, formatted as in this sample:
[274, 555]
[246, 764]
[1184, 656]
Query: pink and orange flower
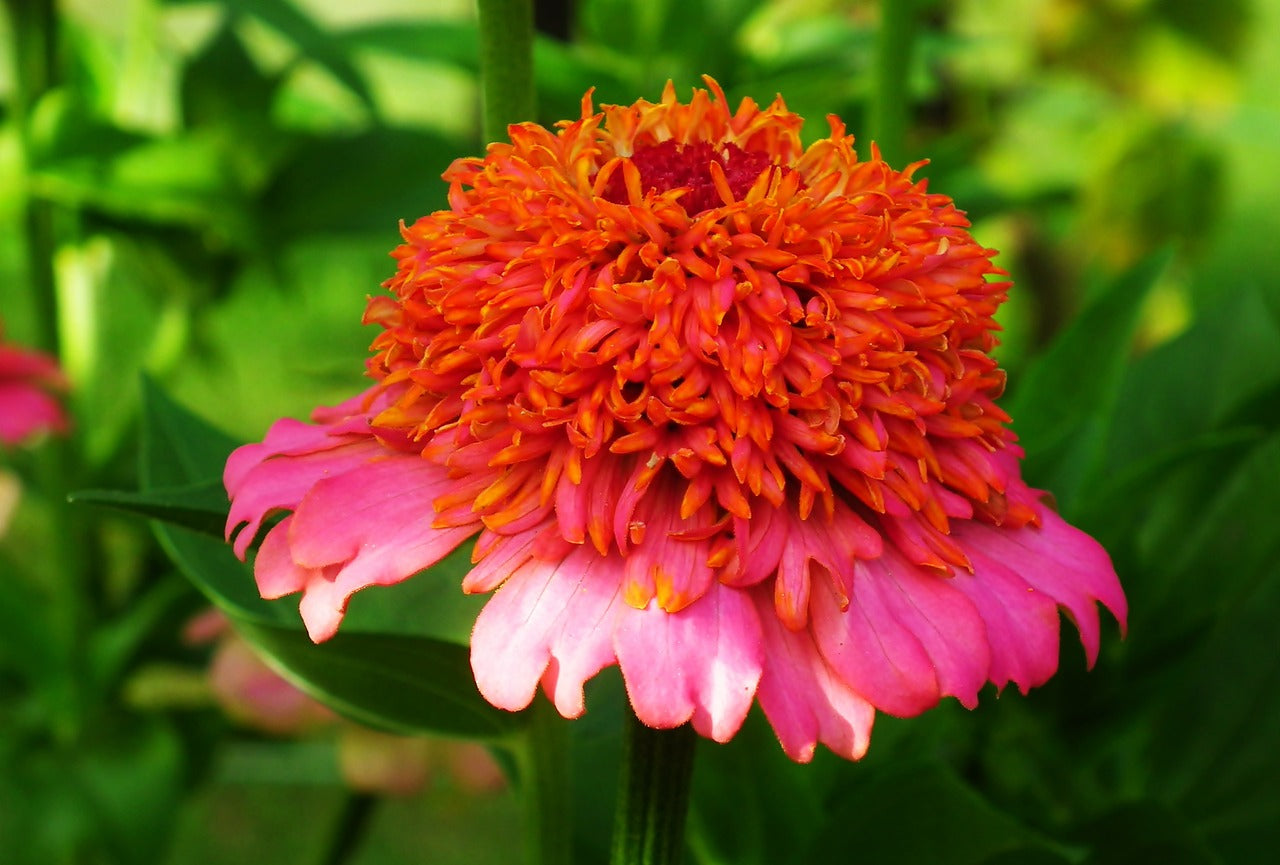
[715, 407]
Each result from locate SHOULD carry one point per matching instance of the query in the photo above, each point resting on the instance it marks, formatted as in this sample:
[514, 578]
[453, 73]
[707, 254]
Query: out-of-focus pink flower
[716, 408]
[253, 694]
[28, 381]
[249, 691]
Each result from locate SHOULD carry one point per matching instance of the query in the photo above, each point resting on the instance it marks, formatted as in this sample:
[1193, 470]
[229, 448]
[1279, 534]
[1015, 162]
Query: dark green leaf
[228, 582]
[1145, 832]
[387, 175]
[402, 684]
[430, 604]
[178, 448]
[201, 506]
[912, 813]
[751, 803]
[1064, 400]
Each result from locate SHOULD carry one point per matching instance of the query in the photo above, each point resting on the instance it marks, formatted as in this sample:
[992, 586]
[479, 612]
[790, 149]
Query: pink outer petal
[1057, 559]
[1022, 624]
[260, 488]
[274, 569]
[907, 638]
[703, 662]
[803, 699]
[551, 622]
[373, 524]
[26, 410]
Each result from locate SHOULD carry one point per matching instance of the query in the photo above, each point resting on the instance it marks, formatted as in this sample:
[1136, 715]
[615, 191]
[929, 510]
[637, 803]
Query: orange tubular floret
[690, 293]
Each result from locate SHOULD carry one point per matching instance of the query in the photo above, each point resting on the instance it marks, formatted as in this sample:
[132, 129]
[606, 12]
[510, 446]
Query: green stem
[653, 799]
[890, 95]
[542, 767]
[353, 825]
[506, 64]
[34, 30]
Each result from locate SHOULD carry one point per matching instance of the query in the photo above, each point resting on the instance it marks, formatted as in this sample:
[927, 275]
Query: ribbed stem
[890, 95]
[506, 64]
[653, 799]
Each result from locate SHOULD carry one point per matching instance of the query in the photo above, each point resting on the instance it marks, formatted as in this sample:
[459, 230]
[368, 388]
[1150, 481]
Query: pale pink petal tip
[805, 702]
[702, 664]
[550, 622]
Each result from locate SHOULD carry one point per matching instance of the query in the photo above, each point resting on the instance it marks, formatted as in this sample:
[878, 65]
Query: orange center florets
[672, 300]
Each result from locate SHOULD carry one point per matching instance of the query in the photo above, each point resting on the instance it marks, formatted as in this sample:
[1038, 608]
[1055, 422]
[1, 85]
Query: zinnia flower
[27, 381]
[716, 408]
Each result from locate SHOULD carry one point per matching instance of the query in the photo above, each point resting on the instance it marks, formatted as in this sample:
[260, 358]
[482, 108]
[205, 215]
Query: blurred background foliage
[207, 191]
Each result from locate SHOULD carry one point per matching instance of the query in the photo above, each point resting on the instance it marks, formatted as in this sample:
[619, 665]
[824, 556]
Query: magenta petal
[549, 622]
[287, 437]
[274, 569]
[383, 508]
[803, 699]
[1059, 560]
[906, 639]
[374, 523]
[703, 662]
[281, 482]
[1022, 624]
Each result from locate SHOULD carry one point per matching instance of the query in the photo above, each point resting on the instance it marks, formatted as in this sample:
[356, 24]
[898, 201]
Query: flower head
[716, 407]
[27, 381]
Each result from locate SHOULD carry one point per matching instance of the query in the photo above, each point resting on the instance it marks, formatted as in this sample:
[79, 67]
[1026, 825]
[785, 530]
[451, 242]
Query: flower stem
[653, 799]
[891, 94]
[506, 64]
[542, 767]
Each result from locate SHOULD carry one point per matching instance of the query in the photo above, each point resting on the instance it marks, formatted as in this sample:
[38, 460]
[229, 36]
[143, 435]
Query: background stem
[653, 799]
[890, 107]
[506, 65]
[34, 27]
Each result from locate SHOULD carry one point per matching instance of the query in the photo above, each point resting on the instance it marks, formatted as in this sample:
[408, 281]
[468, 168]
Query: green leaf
[915, 812]
[751, 804]
[1212, 748]
[310, 38]
[388, 175]
[453, 42]
[1063, 403]
[178, 448]
[401, 660]
[1145, 832]
[430, 604]
[200, 506]
[402, 684]
[224, 579]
